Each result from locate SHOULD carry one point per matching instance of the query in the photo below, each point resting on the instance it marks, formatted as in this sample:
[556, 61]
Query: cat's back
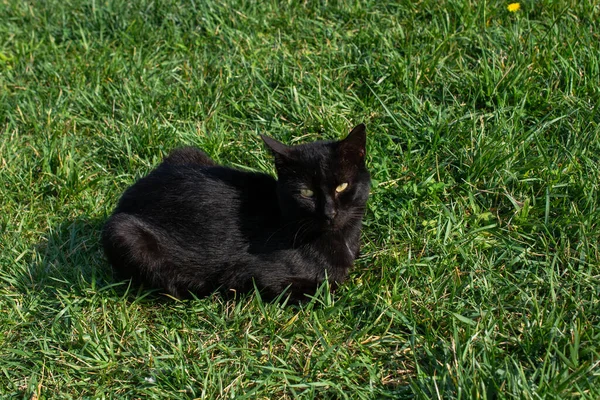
[188, 192]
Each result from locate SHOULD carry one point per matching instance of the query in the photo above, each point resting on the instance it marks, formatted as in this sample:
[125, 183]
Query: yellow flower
[513, 7]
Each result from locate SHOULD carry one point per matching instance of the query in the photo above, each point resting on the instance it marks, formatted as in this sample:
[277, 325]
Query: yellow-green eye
[306, 193]
[341, 187]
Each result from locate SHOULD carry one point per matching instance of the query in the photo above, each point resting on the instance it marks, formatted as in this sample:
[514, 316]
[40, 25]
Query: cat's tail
[131, 247]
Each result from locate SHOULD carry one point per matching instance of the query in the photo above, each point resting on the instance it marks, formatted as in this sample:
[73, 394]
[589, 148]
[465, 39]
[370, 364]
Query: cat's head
[325, 183]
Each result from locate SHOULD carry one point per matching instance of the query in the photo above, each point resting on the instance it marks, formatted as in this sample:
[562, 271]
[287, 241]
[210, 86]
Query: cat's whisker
[356, 216]
[306, 226]
[279, 230]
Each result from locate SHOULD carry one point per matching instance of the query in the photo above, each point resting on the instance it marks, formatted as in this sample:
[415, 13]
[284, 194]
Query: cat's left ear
[354, 145]
[276, 147]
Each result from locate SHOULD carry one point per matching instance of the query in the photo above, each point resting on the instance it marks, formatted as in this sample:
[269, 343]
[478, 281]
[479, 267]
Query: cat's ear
[353, 147]
[276, 147]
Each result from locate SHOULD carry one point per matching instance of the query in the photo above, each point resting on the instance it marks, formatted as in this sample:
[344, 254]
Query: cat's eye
[341, 187]
[306, 193]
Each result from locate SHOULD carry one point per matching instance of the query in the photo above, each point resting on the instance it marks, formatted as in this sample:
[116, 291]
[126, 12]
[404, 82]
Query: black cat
[191, 226]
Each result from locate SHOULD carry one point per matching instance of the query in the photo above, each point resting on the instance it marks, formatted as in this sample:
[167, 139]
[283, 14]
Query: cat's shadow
[69, 259]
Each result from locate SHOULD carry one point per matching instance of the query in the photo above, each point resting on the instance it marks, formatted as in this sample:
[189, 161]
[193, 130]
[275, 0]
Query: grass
[480, 271]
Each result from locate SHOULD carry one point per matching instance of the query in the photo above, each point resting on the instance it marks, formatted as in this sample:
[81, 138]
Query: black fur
[191, 226]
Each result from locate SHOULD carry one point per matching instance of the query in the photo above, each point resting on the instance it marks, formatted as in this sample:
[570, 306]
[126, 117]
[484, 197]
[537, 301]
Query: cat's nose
[330, 213]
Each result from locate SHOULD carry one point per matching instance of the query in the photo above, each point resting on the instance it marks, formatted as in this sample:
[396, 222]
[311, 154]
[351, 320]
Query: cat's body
[191, 226]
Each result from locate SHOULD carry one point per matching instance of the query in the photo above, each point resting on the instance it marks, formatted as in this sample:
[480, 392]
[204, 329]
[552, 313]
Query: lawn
[480, 269]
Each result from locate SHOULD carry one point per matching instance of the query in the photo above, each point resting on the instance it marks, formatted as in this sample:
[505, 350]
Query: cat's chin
[330, 226]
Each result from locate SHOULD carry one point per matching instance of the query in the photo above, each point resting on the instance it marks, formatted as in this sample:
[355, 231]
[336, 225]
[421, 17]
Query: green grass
[480, 273]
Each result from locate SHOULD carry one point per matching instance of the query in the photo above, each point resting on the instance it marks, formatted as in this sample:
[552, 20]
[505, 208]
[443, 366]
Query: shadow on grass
[70, 260]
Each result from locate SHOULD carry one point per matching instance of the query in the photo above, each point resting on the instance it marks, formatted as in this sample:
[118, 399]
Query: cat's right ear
[278, 148]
